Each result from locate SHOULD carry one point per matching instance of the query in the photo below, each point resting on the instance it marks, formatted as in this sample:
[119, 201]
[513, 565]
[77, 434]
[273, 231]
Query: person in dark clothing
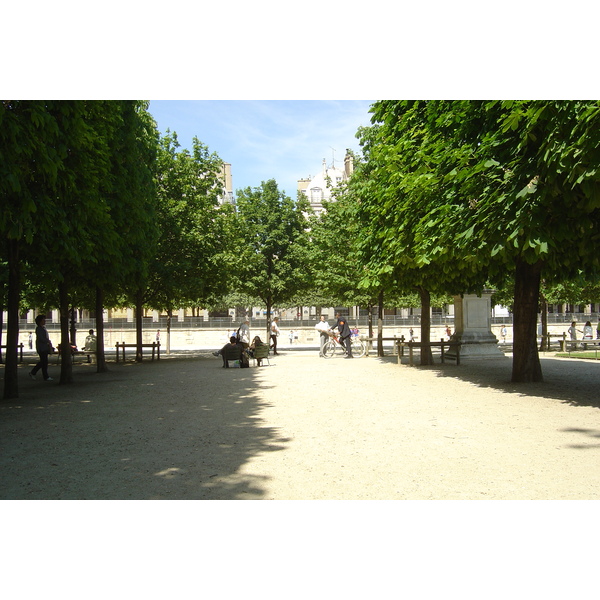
[43, 346]
[232, 349]
[345, 334]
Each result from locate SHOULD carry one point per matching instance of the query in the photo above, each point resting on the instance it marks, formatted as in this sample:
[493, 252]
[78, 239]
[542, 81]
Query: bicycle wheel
[358, 348]
[329, 349]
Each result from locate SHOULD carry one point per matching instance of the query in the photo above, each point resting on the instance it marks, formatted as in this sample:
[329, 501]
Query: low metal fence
[259, 322]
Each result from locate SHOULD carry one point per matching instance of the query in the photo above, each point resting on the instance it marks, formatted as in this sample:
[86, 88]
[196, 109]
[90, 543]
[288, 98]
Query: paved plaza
[304, 428]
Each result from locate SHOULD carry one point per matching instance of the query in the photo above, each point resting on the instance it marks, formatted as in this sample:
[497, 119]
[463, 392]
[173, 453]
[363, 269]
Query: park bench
[442, 344]
[400, 343]
[19, 347]
[553, 338]
[74, 353]
[262, 353]
[370, 340]
[233, 356]
[569, 345]
[154, 345]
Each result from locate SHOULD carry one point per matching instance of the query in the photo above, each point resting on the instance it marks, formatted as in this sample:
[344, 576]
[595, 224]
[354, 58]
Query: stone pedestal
[473, 328]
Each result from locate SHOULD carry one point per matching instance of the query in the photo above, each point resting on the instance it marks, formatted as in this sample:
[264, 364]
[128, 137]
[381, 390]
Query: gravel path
[304, 428]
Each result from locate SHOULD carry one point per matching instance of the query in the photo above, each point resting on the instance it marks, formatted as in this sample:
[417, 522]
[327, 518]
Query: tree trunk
[169, 318]
[269, 308]
[11, 373]
[426, 355]
[380, 325]
[526, 360]
[139, 311]
[1, 329]
[72, 329]
[544, 314]
[66, 362]
[100, 356]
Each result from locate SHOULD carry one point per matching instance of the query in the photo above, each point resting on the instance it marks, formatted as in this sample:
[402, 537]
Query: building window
[316, 194]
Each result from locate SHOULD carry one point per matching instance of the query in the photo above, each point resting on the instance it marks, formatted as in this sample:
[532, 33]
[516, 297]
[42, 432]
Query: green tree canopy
[479, 190]
[272, 245]
[63, 183]
[187, 268]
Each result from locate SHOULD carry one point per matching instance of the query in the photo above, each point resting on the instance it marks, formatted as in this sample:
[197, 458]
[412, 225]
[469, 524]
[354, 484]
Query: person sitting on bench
[91, 342]
[231, 351]
[256, 343]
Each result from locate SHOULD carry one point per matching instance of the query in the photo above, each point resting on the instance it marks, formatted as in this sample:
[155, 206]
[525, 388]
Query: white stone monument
[473, 330]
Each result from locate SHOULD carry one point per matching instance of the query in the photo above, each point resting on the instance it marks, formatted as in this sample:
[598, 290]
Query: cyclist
[345, 334]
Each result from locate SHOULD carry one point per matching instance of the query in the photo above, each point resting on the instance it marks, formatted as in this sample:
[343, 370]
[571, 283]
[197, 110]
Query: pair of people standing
[343, 329]
[243, 334]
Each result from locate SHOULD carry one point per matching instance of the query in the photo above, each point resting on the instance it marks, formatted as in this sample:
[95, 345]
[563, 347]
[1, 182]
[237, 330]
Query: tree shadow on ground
[170, 429]
[594, 434]
[571, 381]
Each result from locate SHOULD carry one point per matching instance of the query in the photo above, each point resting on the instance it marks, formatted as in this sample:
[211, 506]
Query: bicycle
[334, 347]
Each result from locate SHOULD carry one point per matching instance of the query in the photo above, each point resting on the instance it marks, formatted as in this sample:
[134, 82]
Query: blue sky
[285, 140]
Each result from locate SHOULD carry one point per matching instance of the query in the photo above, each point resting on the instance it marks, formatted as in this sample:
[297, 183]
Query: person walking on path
[274, 334]
[43, 347]
[322, 327]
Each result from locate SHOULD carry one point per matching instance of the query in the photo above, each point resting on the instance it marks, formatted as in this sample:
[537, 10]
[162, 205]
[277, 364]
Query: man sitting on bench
[231, 351]
[91, 342]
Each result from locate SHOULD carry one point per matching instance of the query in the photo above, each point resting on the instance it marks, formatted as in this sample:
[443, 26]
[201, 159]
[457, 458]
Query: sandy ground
[304, 428]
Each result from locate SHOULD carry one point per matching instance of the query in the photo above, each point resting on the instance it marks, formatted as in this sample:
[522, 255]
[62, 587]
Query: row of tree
[449, 197]
[75, 182]
[98, 209]
[455, 196]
